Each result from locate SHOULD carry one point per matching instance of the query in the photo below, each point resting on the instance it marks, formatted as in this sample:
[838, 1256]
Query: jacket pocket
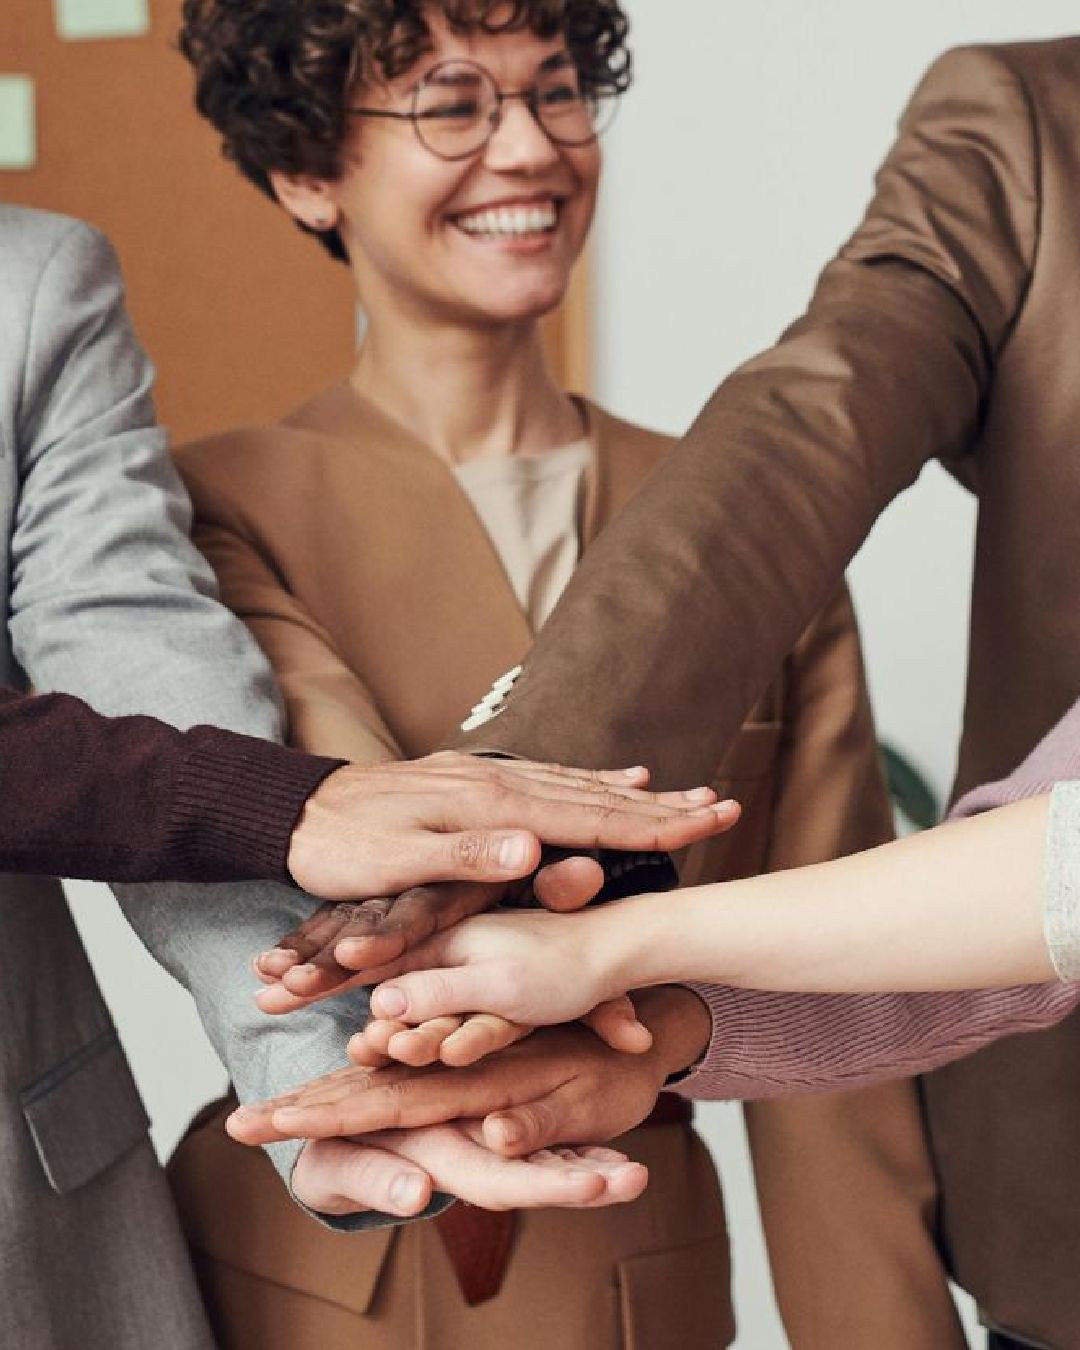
[238, 1216]
[85, 1113]
[677, 1299]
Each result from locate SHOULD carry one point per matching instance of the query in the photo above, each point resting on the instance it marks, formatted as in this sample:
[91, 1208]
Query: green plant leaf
[913, 795]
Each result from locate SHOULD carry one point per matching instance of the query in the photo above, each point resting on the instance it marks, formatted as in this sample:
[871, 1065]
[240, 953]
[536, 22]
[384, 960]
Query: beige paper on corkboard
[244, 317]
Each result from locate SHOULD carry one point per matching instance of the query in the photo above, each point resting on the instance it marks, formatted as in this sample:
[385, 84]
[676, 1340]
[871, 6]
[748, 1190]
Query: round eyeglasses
[457, 108]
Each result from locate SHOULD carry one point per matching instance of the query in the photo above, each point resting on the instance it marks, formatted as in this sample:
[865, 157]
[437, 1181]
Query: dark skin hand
[561, 1085]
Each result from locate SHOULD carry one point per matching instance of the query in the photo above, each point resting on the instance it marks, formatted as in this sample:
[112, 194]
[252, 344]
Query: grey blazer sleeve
[110, 601]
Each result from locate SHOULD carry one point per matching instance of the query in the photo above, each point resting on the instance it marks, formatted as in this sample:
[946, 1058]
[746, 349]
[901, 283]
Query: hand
[396, 1171]
[528, 967]
[342, 945]
[560, 1085]
[459, 1041]
[323, 955]
[378, 830]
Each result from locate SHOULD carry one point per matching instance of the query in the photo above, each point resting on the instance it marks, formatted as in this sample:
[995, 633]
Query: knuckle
[541, 1124]
[470, 850]
[432, 994]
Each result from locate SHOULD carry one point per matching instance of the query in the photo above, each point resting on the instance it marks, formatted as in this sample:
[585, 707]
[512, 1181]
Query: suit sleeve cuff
[284, 1157]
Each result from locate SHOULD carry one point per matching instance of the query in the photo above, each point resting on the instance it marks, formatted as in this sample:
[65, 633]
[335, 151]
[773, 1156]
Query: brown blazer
[359, 564]
[947, 327]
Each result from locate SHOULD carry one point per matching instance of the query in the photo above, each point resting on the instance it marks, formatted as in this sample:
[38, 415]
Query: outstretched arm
[988, 899]
[694, 595]
[956, 907]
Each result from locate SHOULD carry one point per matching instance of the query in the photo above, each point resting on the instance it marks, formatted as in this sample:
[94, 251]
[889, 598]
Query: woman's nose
[519, 142]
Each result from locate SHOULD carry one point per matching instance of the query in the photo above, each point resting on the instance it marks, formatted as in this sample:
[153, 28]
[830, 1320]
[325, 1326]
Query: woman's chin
[527, 306]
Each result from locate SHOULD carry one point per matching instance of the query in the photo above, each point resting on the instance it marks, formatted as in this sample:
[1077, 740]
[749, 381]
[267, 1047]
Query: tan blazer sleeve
[706, 580]
[831, 798]
[844, 1180]
[328, 708]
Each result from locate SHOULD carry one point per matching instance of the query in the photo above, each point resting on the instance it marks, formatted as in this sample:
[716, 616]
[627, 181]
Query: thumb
[522, 1130]
[569, 883]
[481, 855]
[616, 1023]
[424, 994]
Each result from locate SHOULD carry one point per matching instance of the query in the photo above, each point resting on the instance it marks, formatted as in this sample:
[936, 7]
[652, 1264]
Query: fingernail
[700, 794]
[635, 772]
[407, 1193]
[389, 1001]
[510, 1130]
[306, 969]
[285, 1114]
[514, 852]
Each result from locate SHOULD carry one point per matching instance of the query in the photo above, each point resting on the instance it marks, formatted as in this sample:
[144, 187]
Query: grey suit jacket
[107, 599]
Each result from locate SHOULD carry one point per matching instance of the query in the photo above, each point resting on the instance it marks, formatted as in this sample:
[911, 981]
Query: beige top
[530, 506]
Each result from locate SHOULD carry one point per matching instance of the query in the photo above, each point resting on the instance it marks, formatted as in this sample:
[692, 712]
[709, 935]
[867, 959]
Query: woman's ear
[306, 199]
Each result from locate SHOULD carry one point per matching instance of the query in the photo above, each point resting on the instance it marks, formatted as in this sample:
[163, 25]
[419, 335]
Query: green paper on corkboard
[84, 20]
[18, 134]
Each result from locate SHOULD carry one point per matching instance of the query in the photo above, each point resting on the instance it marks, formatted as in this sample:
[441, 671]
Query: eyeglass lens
[458, 107]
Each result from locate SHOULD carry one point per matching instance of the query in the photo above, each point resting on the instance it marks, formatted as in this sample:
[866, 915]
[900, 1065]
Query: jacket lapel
[431, 586]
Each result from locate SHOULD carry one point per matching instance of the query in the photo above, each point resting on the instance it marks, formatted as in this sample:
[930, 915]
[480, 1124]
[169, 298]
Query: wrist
[333, 801]
[681, 1025]
[630, 943]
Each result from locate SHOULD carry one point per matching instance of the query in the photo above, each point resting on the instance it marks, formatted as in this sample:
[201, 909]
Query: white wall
[737, 165]
[739, 162]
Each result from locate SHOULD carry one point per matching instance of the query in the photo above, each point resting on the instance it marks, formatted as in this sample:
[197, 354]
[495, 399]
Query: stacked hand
[375, 830]
[485, 1134]
[561, 1086]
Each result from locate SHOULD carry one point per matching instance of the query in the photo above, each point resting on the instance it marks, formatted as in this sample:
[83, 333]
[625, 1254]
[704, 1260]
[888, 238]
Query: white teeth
[510, 221]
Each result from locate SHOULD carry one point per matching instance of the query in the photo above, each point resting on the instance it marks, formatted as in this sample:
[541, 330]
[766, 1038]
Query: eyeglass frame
[528, 96]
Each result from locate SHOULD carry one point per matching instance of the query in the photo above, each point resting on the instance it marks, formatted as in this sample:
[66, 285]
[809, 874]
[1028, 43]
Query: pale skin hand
[378, 830]
[396, 1172]
[559, 1086]
[534, 968]
[322, 956]
[523, 969]
[458, 1041]
[425, 910]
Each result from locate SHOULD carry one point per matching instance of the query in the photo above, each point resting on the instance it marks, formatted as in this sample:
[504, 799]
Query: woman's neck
[467, 393]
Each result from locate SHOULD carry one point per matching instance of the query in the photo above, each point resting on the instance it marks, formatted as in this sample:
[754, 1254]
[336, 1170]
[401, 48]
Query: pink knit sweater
[764, 1044]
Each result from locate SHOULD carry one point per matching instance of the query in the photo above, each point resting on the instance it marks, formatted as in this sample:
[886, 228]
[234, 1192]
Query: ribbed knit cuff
[765, 1044]
[236, 801]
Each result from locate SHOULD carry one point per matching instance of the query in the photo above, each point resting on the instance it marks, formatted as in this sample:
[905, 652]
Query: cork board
[243, 316]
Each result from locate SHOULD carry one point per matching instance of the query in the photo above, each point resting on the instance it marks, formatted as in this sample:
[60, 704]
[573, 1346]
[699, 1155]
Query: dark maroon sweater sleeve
[133, 799]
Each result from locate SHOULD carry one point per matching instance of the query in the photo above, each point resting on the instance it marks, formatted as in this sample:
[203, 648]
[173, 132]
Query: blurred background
[739, 162]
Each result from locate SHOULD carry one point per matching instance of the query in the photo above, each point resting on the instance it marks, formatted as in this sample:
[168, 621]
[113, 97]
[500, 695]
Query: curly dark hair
[276, 77]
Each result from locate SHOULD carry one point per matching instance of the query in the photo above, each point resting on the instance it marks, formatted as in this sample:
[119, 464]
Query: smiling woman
[394, 545]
